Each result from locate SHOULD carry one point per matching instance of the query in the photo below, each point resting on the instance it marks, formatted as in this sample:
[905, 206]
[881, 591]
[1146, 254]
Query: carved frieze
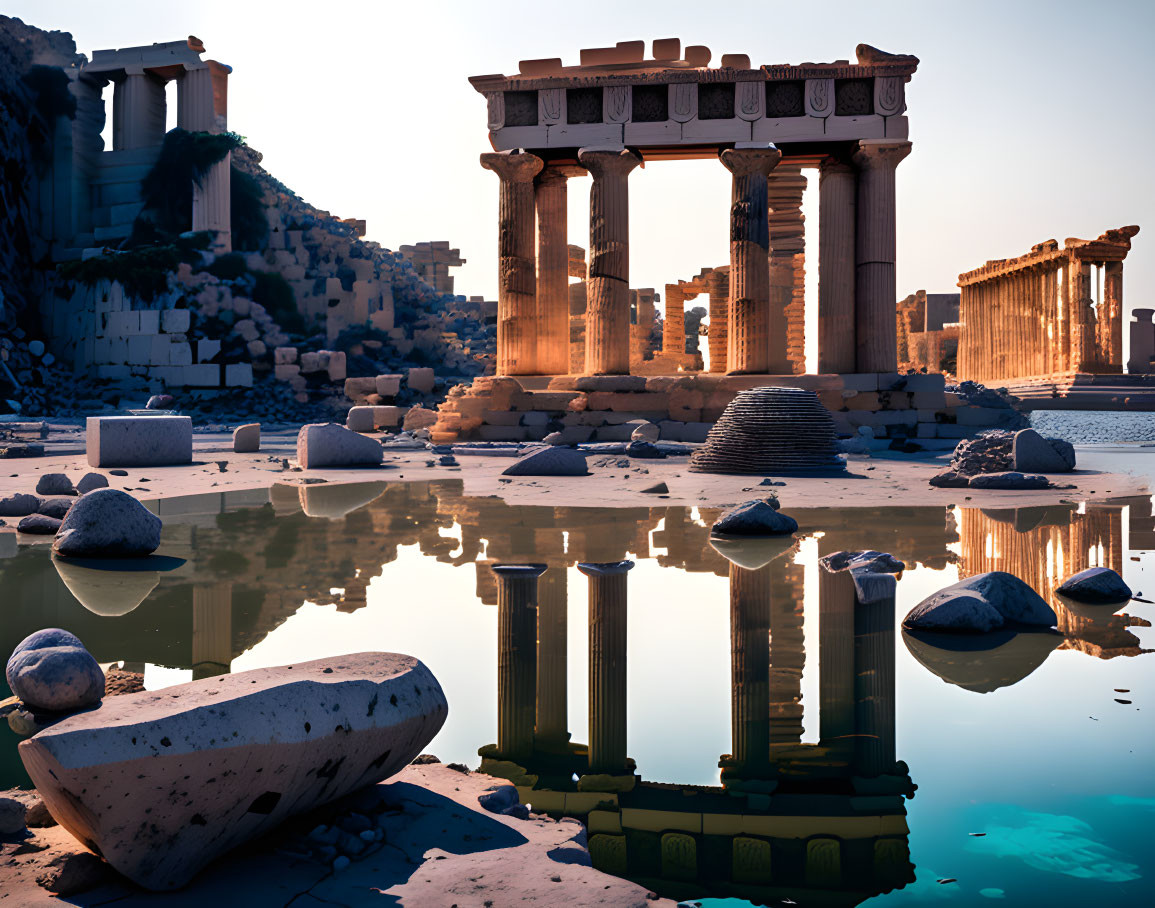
[889, 97]
[617, 103]
[495, 105]
[749, 99]
[819, 97]
[550, 105]
[683, 101]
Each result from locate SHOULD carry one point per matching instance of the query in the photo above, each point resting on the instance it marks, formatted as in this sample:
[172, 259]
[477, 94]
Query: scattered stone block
[13, 451]
[329, 445]
[1031, 453]
[51, 670]
[419, 418]
[549, 461]
[421, 379]
[107, 523]
[360, 419]
[55, 508]
[387, 417]
[293, 738]
[950, 479]
[247, 438]
[139, 441]
[1095, 586]
[981, 603]
[643, 430]
[387, 385]
[284, 355]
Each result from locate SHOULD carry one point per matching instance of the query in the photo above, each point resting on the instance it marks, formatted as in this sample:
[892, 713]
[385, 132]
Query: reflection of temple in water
[824, 823]
[1045, 545]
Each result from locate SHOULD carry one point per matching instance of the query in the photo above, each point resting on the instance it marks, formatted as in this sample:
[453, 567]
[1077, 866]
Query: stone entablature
[676, 101]
[1054, 310]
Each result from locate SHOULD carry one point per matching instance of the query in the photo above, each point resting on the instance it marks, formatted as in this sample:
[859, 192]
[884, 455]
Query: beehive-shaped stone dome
[770, 430]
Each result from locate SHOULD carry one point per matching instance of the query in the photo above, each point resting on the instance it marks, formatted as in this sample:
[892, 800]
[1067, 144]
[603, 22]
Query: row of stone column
[856, 253]
[1040, 320]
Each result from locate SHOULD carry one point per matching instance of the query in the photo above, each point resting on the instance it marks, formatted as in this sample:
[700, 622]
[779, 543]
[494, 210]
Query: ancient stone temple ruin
[432, 261]
[618, 109]
[928, 332]
[1057, 310]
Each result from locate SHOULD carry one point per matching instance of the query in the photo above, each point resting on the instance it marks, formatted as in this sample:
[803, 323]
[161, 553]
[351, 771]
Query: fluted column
[837, 189]
[608, 302]
[517, 266]
[750, 321]
[645, 322]
[138, 111]
[552, 731]
[1113, 306]
[874, 275]
[516, 658]
[1082, 327]
[607, 654]
[552, 272]
[212, 641]
[719, 287]
[836, 660]
[874, 686]
[750, 667]
[674, 325]
[212, 204]
[202, 106]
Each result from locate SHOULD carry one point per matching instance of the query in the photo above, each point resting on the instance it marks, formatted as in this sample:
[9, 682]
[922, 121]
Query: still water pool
[859, 764]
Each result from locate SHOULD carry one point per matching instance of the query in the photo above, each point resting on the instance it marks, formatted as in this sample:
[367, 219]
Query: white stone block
[175, 321]
[283, 355]
[388, 385]
[421, 379]
[386, 417]
[207, 349]
[138, 441]
[140, 349]
[180, 354]
[360, 419]
[149, 321]
[336, 366]
[239, 375]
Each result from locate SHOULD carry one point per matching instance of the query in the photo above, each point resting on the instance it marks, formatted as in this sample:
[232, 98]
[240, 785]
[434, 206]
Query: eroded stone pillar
[674, 325]
[750, 668]
[785, 186]
[138, 111]
[607, 300]
[552, 272]
[552, 730]
[1113, 308]
[719, 287]
[202, 106]
[1082, 316]
[212, 641]
[750, 328]
[874, 275]
[517, 266]
[837, 189]
[607, 655]
[516, 658]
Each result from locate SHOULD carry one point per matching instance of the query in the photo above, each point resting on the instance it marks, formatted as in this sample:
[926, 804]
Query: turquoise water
[893, 763]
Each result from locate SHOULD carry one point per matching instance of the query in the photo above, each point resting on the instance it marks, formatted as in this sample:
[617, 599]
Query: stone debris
[39, 525]
[71, 874]
[322, 445]
[138, 441]
[107, 523]
[950, 479]
[1095, 586]
[19, 504]
[55, 507]
[982, 603]
[770, 430]
[873, 573]
[247, 438]
[13, 816]
[759, 517]
[1009, 480]
[1032, 453]
[54, 484]
[659, 488]
[51, 671]
[550, 461]
[294, 737]
[90, 481]
[419, 418]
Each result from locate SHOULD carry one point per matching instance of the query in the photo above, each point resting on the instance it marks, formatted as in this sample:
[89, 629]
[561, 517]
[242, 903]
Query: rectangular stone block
[932, 381]
[207, 349]
[980, 416]
[140, 349]
[863, 400]
[860, 381]
[149, 321]
[175, 321]
[928, 400]
[239, 375]
[287, 371]
[357, 389]
[179, 354]
[385, 417]
[501, 418]
[388, 385]
[138, 441]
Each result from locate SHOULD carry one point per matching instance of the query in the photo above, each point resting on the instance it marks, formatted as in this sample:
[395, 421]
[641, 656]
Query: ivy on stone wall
[143, 272]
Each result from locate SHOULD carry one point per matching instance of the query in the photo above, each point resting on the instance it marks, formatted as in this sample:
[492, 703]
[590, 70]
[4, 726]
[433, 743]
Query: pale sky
[1030, 121]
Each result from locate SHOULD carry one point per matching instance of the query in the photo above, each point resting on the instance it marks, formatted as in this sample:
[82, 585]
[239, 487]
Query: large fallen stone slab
[138, 441]
[1095, 586]
[107, 523]
[161, 783]
[330, 445]
[1010, 479]
[1031, 453]
[982, 603]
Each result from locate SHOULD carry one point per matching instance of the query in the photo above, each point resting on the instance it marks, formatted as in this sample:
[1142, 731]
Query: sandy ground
[615, 481]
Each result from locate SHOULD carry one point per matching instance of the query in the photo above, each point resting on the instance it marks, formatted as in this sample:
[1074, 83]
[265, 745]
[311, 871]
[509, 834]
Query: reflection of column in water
[750, 666]
[607, 654]
[874, 685]
[835, 657]
[787, 651]
[516, 657]
[552, 709]
[212, 643]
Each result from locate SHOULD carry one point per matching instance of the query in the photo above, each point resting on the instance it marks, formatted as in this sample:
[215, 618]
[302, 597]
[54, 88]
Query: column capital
[602, 162]
[559, 173]
[512, 166]
[880, 153]
[742, 161]
[519, 570]
[604, 569]
[832, 164]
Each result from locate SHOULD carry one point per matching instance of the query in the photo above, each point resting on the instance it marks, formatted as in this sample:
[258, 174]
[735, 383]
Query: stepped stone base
[1085, 391]
[684, 407]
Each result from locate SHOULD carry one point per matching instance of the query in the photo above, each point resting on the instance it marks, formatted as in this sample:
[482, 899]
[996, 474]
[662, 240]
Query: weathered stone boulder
[54, 484]
[982, 603]
[226, 759]
[759, 517]
[329, 445]
[38, 525]
[1031, 453]
[247, 438]
[51, 670]
[90, 481]
[644, 430]
[551, 461]
[56, 507]
[107, 523]
[13, 816]
[19, 505]
[1009, 480]
[1096, 586]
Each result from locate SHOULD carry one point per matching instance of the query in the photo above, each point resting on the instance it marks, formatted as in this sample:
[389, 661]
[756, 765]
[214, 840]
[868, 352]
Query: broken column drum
[770, 430]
